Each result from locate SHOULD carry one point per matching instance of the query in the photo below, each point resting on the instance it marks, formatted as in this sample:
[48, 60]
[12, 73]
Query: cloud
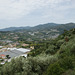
[15, 9]
[62, 11]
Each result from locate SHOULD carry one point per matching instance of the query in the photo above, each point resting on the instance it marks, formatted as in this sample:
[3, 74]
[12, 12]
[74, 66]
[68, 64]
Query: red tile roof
[2, 55]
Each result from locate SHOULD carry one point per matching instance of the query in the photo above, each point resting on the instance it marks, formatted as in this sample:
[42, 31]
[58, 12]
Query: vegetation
[29, 34]
[50, 57]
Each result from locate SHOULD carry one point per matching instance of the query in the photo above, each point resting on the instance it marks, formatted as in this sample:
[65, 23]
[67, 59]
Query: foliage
[50, 57]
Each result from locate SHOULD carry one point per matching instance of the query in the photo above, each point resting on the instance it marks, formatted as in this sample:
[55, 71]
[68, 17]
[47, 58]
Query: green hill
[50, 57]
[40, 32]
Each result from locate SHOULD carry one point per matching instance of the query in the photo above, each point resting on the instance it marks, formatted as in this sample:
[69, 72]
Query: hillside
[40, 27]
[14, 28]
[50, 57]
[40, 32]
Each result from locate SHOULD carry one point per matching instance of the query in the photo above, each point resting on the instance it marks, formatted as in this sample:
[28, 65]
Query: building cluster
[12, 53]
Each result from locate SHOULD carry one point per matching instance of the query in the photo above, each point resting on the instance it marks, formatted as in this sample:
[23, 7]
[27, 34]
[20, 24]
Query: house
[3, 56]
[32, 47]
[25, 44]
[2, 63]
[1, 46]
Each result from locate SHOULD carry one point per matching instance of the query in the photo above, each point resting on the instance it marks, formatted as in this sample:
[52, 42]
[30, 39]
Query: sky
[16, 13]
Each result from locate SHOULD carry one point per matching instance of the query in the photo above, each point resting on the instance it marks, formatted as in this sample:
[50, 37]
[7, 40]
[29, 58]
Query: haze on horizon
[16, 13]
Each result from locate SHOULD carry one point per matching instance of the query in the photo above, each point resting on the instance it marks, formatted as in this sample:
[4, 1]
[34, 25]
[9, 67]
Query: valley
[38, 51]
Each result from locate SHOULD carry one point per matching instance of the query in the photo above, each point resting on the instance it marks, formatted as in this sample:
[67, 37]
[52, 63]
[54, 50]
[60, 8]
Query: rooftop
[3, 55]
[13, 53]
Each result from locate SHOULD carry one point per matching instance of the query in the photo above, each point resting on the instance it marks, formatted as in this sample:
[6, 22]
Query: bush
[51, 50]
[59, 43]
[73, 49]
[69, 72]
[54, 69]
[66, 63]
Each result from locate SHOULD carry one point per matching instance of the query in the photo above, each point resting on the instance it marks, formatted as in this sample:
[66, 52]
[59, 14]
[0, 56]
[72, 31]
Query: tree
[7, 56]
[54, 69]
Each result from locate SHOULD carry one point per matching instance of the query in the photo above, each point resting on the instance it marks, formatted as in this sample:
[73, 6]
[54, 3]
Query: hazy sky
[33, 12]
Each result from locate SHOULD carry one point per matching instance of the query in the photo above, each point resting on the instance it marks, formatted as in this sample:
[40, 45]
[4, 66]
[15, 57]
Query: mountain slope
[40, 32]
[14, 28]
[40, 27]
[54, 57]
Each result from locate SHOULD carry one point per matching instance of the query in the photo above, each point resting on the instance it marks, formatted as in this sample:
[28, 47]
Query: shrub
[66, 63]
[51, 49]
[73, 49]
[59, 43]
[54, 69]
[69, 72]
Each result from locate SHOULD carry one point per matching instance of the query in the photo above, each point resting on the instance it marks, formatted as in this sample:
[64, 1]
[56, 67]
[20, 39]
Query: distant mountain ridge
[28, 27]
[39, 32]
[14, 28]
[47, 26]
